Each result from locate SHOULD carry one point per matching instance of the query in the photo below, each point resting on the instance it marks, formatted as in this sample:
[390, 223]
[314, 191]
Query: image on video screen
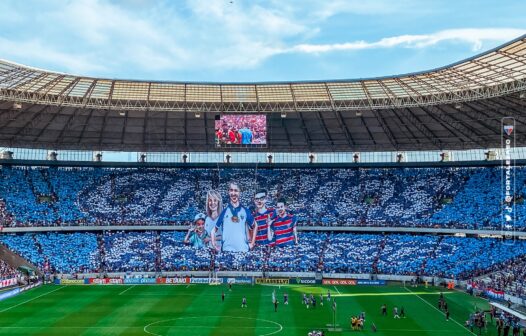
[241, 130]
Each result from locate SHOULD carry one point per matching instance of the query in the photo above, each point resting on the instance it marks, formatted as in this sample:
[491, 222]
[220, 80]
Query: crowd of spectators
[511, 277]
[7, 271]
[458, 197]
[154, 251]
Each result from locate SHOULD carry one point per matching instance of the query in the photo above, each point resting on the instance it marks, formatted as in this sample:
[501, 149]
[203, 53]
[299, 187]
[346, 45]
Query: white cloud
[103, 38]
[473, 37]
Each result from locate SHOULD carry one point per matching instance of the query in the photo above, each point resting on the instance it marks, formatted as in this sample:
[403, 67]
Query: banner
[71, 281]
[105, 281]
[239, 280]
[138, 281]
[339, 282]
[303, 281]
[262, 281]
[8, 282]
[173, 281]
[494, 294]
[200, 280]
[371, 282]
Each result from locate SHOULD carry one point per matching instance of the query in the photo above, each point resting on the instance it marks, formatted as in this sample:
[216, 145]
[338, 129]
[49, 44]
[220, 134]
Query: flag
[508, 129]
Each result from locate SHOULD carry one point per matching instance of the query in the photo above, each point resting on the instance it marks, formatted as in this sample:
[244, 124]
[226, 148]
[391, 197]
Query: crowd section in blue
[453, 197]
[156, 251]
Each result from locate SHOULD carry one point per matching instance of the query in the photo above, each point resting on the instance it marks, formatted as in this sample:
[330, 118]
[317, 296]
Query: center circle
[203, 325]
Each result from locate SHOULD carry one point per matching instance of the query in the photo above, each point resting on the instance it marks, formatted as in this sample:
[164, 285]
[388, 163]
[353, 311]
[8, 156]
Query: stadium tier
[453, 197]
[154, 251]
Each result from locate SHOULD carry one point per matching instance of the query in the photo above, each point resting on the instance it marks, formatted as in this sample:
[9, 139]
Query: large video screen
[241, 130]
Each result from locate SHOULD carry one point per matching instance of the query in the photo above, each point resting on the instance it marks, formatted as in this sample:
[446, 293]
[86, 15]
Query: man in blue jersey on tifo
[236, 221]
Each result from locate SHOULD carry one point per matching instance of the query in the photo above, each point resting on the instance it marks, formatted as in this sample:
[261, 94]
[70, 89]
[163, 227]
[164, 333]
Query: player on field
[263, 217]
[235, 221]
[286, 298]
[244, 302]
[283, 227]
[384, 310]
[395, 313]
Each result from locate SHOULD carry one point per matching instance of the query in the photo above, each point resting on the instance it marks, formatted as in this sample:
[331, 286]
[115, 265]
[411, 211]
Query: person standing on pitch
[244, 302]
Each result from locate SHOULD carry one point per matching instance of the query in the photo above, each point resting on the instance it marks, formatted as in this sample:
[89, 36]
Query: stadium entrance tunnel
[207, 325]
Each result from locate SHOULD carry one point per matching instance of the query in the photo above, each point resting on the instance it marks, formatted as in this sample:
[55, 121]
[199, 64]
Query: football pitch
[198, 310]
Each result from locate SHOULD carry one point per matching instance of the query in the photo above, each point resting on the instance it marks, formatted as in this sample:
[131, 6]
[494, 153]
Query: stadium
[391, 205]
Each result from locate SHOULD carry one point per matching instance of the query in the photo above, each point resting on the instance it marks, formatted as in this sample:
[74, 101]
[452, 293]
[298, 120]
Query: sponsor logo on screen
[200, 280]
[72, 281]
[105, 281]
[339, 282]
[261, 281]
[242, 280]
[139, 281]
[173, 281]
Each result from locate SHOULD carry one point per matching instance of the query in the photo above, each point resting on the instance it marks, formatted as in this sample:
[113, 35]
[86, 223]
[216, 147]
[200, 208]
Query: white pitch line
[127, 289]
[21, 303]
[435, 308]
[337, 290]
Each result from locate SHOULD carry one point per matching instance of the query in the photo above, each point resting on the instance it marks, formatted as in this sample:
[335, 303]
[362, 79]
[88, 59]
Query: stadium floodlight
[522, 95]
[197, 114]
[491, 155]
[52, 156]
[17, 106]
[283, 114]
[356, 157]
[358, 113]
[122, 113]
[458, 106]
[7, 155]
[445, 156]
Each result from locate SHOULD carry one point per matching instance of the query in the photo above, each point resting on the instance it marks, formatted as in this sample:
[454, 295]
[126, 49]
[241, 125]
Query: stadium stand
[152, 251]
[423, 197]
[6, 271]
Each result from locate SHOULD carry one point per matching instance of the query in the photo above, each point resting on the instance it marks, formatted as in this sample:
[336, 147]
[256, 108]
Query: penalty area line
[337, 290]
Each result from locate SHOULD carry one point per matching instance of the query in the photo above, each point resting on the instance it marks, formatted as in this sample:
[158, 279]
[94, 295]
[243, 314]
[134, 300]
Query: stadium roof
[454, 107]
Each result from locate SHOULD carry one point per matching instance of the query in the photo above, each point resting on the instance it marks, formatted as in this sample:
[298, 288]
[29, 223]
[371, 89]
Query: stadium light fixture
[522, 95]
[197, 114]
[17, 106]
[122, 113]
[283, 114]
[358, 113]
[458, 106]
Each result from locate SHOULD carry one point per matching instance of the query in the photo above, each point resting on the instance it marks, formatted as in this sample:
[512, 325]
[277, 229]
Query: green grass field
[198, 310]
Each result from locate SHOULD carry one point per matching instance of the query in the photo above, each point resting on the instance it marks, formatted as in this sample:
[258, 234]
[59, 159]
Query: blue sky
[246, 41]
